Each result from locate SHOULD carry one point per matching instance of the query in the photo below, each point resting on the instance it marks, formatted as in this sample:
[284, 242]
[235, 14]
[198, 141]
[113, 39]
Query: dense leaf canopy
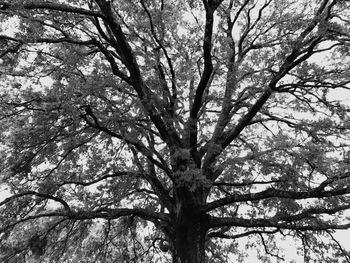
[125, 125]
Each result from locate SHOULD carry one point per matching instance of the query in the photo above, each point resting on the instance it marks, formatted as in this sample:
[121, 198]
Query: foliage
[151, 130]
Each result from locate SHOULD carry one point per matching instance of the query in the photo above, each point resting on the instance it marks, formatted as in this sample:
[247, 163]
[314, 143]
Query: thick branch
[248, 233]
[153, 180]
[159, 41]
[147, 97]
[302, 50]
[137, 144]
[106, 213]
[33, 193]
[5, 5]
[275, 193]
[241, 222]
[247, 118]
[208, 65]
[208, 69]
[106, 176]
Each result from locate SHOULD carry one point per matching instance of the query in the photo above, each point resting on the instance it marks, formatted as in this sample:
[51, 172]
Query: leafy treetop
[199, 122]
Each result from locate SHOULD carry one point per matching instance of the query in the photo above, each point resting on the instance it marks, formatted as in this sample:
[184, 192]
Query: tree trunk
[190, 230]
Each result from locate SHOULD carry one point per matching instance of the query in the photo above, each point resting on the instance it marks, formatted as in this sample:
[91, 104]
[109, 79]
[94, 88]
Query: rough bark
[190, 238]
[191, 226]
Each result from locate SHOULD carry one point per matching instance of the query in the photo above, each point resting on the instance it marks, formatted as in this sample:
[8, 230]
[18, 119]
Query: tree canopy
[174, 131]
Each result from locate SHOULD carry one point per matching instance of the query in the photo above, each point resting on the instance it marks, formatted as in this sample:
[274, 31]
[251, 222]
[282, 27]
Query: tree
[201, 123]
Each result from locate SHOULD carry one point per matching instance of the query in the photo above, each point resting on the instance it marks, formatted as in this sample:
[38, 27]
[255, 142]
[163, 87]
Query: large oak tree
[173, 131]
